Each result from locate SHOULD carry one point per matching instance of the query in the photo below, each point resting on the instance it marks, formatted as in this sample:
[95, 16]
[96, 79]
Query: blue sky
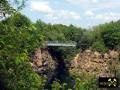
[83, 13]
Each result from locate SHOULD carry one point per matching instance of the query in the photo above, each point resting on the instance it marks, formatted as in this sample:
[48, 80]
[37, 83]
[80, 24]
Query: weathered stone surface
[106, 56]
[113, 54]
[96, 62]
[37, 58]
[87, 61]
[97, 54]
[88, 51]
[43, 63]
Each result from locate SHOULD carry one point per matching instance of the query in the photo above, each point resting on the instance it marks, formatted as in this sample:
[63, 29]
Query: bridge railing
[61, 42]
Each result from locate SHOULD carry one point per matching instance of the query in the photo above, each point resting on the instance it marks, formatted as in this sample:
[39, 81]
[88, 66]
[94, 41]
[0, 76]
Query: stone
[37, 59]
[88, 51]
[113, 54]
[106, 56]
[97, 54]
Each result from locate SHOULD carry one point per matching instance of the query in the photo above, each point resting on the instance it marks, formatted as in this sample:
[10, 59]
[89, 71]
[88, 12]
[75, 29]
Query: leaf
[17, 61]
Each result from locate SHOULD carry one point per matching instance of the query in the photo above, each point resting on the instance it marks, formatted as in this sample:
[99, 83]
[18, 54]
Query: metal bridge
[57, 43]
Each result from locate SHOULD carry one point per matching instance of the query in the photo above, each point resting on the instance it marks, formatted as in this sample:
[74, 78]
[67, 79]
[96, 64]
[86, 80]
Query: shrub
[112, 38]
[85, 83]
[99, 46]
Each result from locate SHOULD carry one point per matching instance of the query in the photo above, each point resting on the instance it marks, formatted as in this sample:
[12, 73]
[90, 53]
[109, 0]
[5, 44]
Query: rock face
[93, 62]
[87, 61]
[37, 59]
[113, 54]
[43, 63]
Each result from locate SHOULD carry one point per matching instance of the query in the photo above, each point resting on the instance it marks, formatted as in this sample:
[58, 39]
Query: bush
[112, 38]
[99, 46]
[86, 40]
[85, 81]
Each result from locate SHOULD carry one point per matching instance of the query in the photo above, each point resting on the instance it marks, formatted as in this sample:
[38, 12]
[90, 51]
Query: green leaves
[99, 46]
[21, 58]
[16, 42]
[111, 38]
[109, 33]
[2, 44]
[85, 83]
[57, 86]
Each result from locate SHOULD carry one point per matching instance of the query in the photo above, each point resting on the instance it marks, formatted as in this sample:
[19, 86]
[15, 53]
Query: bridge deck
[72, 44]
[59, 44]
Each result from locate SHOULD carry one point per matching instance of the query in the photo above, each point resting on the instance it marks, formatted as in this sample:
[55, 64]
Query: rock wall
[87, 61]
[93, 62]
[42, 62]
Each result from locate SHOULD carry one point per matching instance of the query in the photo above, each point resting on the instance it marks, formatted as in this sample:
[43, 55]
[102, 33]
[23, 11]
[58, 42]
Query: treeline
[100, 38]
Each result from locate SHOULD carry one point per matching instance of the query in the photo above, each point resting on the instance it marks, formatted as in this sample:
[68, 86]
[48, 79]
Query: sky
[81, 13]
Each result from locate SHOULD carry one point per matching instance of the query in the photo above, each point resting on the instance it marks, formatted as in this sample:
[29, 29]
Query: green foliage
[112, 38]
[60, 33]
[57, 86]
[5, 8]
[73, 33]
[51, 32]
[8, 9]
[109, 33]
[114, 66]
[21, 77]
[86, 40]
[19, 4]
[17, 40]
[85, 81]
[19, 37]
[99, 46]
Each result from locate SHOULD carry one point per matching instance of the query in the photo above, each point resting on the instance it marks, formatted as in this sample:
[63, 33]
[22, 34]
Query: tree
[7, 9]
[86, 40]
[112, 38]
[109, 33]
[99, 46]
[17, 40]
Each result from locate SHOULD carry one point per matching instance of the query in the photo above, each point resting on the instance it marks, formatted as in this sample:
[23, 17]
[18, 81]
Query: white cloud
[109, 5]
[82, 1]
[53, 14]
[63, 14]
[108, 16]
[51, 17]
[96, 4]
[39, 6]
[69, 14]
[106, 5]
[89, 13]
[78, 1]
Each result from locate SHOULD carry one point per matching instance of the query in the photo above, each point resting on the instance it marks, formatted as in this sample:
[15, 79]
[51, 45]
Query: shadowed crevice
[61, 72]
